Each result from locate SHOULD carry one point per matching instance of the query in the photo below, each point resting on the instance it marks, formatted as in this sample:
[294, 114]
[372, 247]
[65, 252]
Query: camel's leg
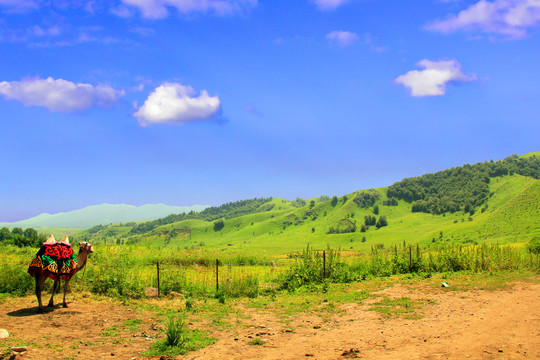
[66, 285]
[55, 288]
[40, 281]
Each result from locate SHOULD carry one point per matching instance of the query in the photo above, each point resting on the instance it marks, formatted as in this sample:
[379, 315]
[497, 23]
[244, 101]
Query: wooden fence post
[217, 275]
[158, 284]
[324, 264]
[410, 258]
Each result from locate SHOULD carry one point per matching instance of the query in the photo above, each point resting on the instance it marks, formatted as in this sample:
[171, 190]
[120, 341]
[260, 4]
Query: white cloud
[342, 38]
[157, 9]
[59, 95]
[509, 18]
[329, 4]
[175, 103]
[433, 79]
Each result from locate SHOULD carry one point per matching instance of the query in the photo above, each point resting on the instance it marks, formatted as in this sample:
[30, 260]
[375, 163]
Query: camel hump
[50, 240]
[66, 241]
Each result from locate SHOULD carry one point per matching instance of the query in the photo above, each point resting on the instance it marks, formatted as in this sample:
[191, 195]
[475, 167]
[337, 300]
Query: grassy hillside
[510, 215]
[504, 209]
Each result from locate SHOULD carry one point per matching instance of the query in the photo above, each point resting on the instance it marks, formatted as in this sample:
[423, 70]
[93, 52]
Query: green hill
[504, 209]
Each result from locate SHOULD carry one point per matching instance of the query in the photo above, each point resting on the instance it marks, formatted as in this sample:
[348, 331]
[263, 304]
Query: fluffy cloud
[157, 9]
[59, 95]
[342, 38]
[177, 104]
[433, 79]
[509, 18]
[329, 4]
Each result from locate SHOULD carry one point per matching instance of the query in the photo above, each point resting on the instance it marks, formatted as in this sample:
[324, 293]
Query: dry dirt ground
[473, 324]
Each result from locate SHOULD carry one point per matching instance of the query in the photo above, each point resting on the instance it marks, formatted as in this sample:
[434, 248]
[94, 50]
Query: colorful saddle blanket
[56, 261]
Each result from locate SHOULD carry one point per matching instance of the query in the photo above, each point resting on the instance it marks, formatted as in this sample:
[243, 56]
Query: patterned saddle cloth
[56, 261]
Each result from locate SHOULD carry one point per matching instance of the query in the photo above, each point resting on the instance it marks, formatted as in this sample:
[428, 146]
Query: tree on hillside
[370, 220]
[381, 222]
[31, 234]
[226, 211]
[376, 209]
[219, 224]
[20, 238]
[533, 246]
[5, 234]
[334, 201]
[391, 202]
[298, 202]
[366, 199]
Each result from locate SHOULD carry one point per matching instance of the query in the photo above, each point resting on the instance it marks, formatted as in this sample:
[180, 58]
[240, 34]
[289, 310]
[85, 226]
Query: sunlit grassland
[511, 215]
[256, 252]
[126, 271]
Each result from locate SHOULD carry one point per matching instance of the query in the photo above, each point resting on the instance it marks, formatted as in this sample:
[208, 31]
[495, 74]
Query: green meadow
[259, 246]
[512, 215]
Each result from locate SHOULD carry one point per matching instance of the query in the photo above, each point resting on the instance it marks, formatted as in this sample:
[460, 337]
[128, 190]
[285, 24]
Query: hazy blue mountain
[102, 214]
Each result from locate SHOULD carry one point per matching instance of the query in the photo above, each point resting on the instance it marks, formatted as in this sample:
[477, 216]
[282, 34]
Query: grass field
[511, 215]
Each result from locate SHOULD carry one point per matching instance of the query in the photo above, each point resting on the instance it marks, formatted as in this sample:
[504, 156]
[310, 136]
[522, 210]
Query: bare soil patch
[474, 324]
[87, 329]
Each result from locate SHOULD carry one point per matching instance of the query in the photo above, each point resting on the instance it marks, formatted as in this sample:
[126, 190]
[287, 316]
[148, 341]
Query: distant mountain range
[103, 214]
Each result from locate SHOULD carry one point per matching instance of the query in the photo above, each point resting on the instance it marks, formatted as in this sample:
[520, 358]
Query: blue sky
[188, 102]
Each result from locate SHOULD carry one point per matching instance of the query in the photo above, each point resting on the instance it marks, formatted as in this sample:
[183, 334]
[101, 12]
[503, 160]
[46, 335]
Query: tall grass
[314, 266]
[125, 272]
[444, 257]
[14, 278]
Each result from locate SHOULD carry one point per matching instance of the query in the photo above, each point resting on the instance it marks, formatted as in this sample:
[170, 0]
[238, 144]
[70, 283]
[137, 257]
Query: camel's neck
[81, 259]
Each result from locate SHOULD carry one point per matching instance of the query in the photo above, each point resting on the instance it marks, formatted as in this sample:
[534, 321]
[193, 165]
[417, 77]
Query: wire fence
[123, 272]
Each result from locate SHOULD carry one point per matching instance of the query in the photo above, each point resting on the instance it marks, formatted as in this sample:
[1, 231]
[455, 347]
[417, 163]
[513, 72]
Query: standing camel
[56, 260]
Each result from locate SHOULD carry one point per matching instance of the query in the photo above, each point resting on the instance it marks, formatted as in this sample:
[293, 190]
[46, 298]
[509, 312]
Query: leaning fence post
[217, 275]
[158, 285]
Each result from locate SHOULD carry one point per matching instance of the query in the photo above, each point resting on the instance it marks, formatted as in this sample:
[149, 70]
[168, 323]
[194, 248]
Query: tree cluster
[370, 220]
[381, 222]
[461, 188]
[391, 202]
[21, 238]
[298, 203]
[345, 226]
[227, 211]
[366, 199]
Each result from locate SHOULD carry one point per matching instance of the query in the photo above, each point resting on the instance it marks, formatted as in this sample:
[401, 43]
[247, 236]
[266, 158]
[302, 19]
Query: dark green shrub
[533, 246]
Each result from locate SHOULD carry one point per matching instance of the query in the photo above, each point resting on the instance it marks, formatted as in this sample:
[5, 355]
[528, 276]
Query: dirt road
[474, 324]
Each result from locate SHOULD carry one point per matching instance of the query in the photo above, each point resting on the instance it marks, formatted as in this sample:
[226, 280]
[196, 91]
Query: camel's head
[84, 246]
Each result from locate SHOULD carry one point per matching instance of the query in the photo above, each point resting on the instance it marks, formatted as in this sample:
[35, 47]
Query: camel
[56, 260]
